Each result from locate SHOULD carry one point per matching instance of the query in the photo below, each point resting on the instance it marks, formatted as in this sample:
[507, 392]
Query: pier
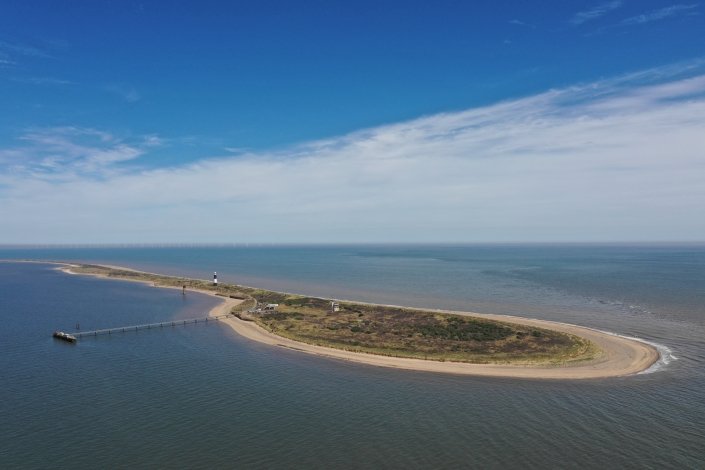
[148, 326]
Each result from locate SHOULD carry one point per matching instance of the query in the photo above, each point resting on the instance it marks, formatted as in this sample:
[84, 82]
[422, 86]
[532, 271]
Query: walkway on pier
[148, 326]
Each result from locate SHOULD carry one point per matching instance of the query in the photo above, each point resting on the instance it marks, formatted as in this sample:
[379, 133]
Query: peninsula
[408, 338]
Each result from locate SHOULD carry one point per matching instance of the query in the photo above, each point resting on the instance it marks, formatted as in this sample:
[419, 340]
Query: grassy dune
[386, 330]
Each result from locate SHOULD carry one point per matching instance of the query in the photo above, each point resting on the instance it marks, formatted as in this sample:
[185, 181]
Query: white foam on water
[666, 357]
[665, 353]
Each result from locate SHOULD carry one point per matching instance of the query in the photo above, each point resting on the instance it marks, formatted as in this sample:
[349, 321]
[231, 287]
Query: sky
[345, 122]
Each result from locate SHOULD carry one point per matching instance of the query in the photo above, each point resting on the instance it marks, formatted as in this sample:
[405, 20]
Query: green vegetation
[385, 330]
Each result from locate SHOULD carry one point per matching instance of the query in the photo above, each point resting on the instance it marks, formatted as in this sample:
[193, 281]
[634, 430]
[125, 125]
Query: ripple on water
[201, 396]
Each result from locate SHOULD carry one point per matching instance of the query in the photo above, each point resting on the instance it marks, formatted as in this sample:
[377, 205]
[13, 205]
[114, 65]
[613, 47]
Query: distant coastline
[614, 355]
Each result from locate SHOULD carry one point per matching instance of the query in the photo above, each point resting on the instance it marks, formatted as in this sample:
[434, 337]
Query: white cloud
[660, 14]
[42, 80]
[65, 153]
[602, 161]
[125, 92]
[595, 12]
[521, 23]
[17, 49]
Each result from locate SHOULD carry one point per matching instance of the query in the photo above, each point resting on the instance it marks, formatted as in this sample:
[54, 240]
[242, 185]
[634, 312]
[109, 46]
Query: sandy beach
[620, 356]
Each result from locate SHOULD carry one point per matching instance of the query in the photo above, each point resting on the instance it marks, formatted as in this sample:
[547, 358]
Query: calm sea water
[200, 396]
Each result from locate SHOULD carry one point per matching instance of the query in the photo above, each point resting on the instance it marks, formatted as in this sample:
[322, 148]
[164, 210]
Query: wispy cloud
[125, 92]
[14, 53]
[521, 23]
[19, 49]
[65, 153]
[236, 150]
[42, 81]
[660, 14]
[619, 159]
[595, 12]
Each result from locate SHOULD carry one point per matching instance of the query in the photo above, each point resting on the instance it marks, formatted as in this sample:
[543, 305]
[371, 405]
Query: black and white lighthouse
[215, 279]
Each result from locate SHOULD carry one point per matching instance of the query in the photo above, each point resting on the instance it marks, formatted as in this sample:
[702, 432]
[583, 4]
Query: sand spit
[620, 356]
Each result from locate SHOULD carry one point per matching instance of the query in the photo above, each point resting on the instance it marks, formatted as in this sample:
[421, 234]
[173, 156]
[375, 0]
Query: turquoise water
[199, 395]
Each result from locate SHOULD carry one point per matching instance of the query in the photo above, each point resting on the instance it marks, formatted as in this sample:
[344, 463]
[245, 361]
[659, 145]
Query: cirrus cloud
[620, 159]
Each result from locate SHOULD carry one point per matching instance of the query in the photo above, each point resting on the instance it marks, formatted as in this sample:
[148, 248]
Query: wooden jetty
[148, 326]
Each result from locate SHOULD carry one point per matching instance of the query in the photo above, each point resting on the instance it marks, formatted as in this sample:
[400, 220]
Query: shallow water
[200, 395]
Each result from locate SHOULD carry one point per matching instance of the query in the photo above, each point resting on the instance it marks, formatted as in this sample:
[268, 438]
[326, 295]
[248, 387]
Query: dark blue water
[201, 396]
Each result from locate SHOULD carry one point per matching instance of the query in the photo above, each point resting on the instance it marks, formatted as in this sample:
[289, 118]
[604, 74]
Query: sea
[200, 396]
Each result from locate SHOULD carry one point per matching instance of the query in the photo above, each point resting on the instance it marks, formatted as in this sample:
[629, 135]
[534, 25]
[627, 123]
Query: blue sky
[351, 121]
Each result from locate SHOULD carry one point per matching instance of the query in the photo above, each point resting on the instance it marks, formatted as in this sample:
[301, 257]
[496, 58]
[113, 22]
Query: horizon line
[333, 244]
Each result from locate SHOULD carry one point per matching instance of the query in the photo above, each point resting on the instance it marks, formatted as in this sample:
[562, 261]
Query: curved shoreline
[621, 356]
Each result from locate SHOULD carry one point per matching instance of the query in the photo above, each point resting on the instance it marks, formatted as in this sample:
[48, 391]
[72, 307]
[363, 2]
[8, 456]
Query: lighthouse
[215, 279]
